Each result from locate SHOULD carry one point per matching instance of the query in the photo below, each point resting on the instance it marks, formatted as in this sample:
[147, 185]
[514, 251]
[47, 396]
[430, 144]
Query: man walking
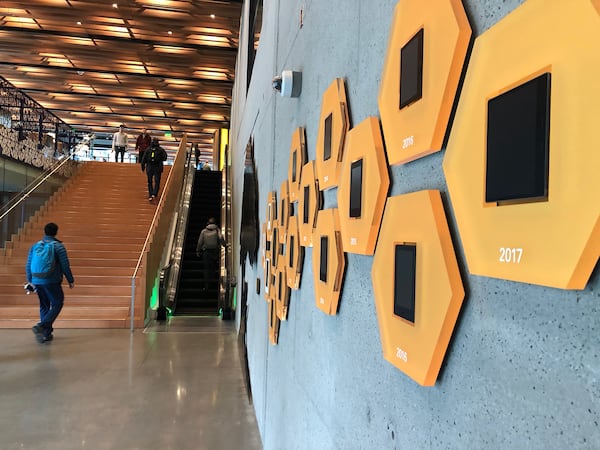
[47, 262]
[142, 143]
[208, 247]
[119, 143]
[152, 163]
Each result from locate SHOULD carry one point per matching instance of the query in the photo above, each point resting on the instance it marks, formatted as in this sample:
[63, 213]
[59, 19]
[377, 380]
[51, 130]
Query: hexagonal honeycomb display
[554, 241]
[417, 285]
[329, 261]
[415, 106]
[334, 123]
[364, 183]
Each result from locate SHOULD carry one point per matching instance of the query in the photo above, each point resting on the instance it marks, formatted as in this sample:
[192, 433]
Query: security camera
[289, 84]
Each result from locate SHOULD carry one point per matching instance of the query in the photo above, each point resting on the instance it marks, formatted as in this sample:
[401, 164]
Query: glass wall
[15, 177]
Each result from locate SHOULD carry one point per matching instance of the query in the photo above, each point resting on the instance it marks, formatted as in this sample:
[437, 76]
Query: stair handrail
[166, 200]
[42, 178]
[176, 253]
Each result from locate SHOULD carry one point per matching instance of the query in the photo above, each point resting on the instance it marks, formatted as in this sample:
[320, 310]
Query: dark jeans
[121, 150]
[210, 263]
[51, 298]
[153, 183]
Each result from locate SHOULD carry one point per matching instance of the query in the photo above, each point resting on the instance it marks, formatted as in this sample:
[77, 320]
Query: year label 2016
[510, 255]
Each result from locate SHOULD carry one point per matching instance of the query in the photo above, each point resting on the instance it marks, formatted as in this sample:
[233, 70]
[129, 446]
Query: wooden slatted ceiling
[163, 65]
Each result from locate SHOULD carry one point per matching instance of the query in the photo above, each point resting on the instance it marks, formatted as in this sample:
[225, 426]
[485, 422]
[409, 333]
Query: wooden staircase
[103, 217]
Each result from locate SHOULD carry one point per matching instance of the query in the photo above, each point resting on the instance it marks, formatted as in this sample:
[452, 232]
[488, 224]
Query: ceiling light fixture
[170, 32]
[212, 16]
[79, 22]
[114, 5]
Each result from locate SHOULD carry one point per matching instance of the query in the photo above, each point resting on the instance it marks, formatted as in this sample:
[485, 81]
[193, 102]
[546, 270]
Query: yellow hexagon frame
[313, 197]
[417, 348]
[555, 242]
[282, 293]
[419, 128]
[327, 293]
[264, 252]
[298, 160]
[271, 209]
[295, 254]
[364, 142]
[334, 103]
[284, 211]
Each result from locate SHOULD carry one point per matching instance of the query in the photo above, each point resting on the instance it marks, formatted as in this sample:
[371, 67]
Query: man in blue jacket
[48, 282]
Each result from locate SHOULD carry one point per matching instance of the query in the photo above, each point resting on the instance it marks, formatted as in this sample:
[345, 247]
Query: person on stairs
[208, 248]
[152, 163]
[47, 262]
[119, 143]
[142, 142]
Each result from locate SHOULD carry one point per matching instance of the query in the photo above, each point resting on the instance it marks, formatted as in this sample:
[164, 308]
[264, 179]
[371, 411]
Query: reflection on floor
[175, 385]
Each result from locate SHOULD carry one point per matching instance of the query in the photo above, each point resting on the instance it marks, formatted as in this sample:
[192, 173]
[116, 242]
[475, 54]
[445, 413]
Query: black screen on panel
[306, 205]
[411, 70]
[275, 249]
[291, 252]
[356, 188]
[518, 128]
[294, 163]
[280, 276]
[323, 262]
[404, 281]
[327, 140]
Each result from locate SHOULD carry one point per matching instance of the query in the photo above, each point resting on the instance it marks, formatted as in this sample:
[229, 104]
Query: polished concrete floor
[177, 385]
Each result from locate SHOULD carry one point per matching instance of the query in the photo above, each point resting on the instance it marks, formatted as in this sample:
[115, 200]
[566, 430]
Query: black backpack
[154, 155]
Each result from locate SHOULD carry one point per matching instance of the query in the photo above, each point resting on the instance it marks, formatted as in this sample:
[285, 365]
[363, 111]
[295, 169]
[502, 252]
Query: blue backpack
[43, 259]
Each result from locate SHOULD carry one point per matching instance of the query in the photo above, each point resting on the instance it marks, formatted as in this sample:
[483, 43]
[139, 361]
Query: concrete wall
[523, 368]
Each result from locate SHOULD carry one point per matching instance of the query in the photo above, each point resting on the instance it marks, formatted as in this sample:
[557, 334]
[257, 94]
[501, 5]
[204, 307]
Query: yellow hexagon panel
[294, 254]
[417, 285]
[271, 209]
[282, 295]
[284, 211]
[434, 37]
[263, 238]
[297, 162]
[364, 183]
[328, 261]
[554, 242]
[334, 123]
[309, 204]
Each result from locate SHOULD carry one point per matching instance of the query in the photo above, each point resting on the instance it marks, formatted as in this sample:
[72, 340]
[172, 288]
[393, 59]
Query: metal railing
[32, 187]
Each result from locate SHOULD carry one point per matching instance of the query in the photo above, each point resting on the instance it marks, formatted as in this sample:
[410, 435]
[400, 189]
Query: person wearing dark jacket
[152, 163]
[208, 247]
[48, 284]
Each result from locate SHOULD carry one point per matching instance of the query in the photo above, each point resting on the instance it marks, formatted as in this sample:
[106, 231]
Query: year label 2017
[510, 255]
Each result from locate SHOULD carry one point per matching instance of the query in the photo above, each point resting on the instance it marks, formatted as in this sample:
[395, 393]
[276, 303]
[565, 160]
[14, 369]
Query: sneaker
[43, 339]
[150, 198]
[37, 329]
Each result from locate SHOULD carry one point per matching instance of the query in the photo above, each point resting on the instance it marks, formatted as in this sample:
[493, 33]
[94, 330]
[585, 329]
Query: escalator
[198, 292]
